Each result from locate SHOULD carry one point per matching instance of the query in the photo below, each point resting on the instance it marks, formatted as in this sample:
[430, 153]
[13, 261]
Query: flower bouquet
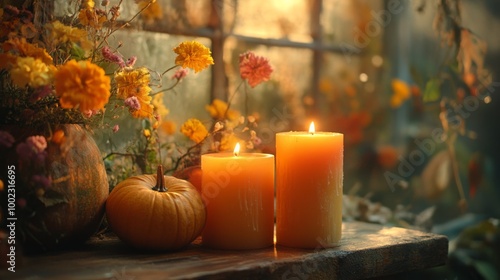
[60, 81]
[63, 81]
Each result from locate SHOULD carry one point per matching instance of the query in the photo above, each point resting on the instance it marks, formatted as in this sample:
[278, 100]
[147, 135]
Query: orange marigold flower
[400, 88]
[400, 92]
[168, 127]
[193, 55]
[195, 130]
[255, 69]
[82, 84]
[219, 110]
[21, 47]
[130, 82]
[135, 82]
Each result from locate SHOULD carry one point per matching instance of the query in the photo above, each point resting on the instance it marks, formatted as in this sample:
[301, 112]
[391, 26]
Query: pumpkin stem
[160, 180]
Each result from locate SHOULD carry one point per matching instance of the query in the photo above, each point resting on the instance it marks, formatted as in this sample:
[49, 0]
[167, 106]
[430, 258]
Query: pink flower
[6, 139]
[180, 74]
[33, 149]
[131, 61]
[133, 103]
[254, 138]
[254, 69]
[38, 143]
[88, 113]
[256, 141]
[116, 128]
[112, 57]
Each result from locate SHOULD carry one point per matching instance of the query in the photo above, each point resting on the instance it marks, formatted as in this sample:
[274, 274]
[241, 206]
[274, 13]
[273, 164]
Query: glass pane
[160, 15]
[270, 19]
[351, 22]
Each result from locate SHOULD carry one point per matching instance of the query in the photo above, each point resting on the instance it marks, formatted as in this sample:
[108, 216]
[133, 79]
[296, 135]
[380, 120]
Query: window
[310, 45]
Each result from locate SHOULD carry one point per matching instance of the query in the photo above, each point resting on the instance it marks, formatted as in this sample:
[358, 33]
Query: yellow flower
[88, 16]
[193, 55]
[400, 88]
[31, 72]
[146, 110]
[132, 81]
[147, 133]
[400, 92]
[20, 47]
[89, 4]
[151, 13]
[60, 34]
[195, 130]
[228, 142]
[160, 108]
[135, 82]
[82, 84]
[219, 110]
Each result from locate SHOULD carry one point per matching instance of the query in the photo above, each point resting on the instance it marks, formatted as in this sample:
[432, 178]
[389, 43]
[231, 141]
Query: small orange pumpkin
[156, 212]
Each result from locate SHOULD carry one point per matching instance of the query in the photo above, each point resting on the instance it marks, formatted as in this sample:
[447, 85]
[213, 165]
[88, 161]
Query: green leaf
[77, 52]
[146, 124]
[432, 90]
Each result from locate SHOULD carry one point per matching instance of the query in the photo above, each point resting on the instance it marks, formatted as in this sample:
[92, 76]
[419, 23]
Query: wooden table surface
[366, 250]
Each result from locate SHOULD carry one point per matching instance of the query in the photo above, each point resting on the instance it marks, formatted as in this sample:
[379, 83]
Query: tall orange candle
[238, 190]
[309, 180]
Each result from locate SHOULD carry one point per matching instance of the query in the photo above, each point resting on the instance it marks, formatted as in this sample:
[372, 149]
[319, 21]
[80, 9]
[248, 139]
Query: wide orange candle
[239, 194]
[309, 180]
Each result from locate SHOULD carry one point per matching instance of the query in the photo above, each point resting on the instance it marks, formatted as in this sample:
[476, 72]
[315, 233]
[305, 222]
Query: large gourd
[71, 209]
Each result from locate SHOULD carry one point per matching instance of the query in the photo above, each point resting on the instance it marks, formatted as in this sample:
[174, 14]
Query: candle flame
[237, 149]
[311, 128]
